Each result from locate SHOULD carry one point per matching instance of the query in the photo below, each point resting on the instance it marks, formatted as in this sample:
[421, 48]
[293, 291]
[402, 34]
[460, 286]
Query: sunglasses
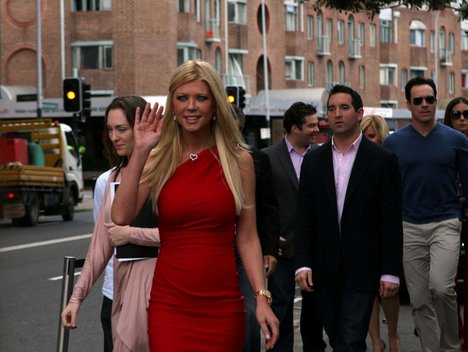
[429, 99]
[455, 115]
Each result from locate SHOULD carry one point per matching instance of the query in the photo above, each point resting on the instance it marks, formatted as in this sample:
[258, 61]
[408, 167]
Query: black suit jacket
[285, 185]
[266, 205]
[368, 241]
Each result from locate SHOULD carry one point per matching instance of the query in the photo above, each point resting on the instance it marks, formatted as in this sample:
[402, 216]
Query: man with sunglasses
[431, 157]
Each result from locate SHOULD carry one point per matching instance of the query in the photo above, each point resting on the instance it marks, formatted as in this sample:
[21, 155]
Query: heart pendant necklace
[193, 157]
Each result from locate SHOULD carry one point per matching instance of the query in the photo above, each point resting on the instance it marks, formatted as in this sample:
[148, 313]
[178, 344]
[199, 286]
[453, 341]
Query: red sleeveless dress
[195, 303]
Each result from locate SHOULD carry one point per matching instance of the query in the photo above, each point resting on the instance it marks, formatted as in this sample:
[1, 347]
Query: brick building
[132, 47]
[124, 47]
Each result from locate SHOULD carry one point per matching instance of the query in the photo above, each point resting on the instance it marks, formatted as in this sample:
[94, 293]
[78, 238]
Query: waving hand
[148, 126]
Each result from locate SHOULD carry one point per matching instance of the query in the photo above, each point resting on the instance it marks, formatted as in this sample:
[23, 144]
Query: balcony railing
[445, 57]
[354, 49]
[212, 30]
[323, 45]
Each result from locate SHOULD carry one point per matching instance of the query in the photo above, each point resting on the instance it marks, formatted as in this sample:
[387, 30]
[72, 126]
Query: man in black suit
[348, 230]
[301, 125]
[268, 232]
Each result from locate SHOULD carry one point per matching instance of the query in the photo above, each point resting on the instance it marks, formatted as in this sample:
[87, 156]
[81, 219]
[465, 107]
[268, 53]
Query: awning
[417, 24]
[281, 99]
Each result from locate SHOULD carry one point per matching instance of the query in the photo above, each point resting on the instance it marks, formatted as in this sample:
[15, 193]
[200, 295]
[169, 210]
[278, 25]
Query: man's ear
[360, 113]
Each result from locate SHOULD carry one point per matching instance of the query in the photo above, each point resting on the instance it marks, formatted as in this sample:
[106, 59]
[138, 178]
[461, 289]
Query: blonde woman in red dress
[200, 176]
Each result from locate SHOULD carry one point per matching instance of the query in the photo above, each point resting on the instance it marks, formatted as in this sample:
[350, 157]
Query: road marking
[44, 243]
[77, 273]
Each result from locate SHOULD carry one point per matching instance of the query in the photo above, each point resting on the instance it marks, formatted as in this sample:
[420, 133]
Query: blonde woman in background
[376, 130]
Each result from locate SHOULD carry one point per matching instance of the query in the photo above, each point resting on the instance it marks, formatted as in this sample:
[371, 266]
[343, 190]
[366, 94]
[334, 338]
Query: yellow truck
[40, 170]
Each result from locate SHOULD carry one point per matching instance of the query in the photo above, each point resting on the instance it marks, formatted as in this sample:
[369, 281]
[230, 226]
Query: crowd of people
[204, 238]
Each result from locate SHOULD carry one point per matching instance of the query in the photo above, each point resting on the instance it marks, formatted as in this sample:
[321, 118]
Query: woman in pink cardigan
[132, 277]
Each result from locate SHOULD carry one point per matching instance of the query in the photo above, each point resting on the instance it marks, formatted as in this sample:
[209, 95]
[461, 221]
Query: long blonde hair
[167, 155]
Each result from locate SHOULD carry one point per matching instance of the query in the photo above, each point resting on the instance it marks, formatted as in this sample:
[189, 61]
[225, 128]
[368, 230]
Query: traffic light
[236, 95]
[241, 98]
[86, 104]
[232, 94]
[72, 95]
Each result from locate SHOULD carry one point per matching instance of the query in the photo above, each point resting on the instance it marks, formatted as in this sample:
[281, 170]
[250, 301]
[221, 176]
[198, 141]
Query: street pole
[62, 38]
[39, 60]
[226, 43]
[265, 70]
[436, 50]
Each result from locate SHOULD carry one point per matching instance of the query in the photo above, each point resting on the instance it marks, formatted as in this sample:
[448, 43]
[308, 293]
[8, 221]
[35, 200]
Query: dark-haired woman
[456, 116]
[133, 278]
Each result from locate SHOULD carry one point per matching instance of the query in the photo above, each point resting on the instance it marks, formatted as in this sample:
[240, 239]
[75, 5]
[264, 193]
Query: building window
[187, 51]
[416, 72]
[464, 79]
[442, 40]
[92, 55]
[310, 27]
[433, 39]
[386, 31]
[91, 5]
[319, 25]
[197, 9]
[329, 28]
[235, 75]
[340, 31]
[311, 74]
[404, 78]
[342, 72]
[451, 82]
[294, 67]
[329, 74]
[372, 35]
[464, 42]
[362, 77]
[417, 37]
[388, 75]
[417, 33]
[290, 10]
[218, 63]
[237, 11]
[183, 6]
[361, 33]
[451, 42]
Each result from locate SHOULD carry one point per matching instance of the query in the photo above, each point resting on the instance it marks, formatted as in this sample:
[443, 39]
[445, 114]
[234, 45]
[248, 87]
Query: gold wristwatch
[265, 293]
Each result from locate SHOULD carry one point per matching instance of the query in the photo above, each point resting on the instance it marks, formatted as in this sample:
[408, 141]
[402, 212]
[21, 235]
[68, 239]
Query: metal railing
[69, 266]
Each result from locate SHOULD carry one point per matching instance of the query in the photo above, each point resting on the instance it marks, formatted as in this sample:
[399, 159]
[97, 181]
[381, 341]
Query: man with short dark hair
[432, 157]
[301, 125]
[348, 225]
